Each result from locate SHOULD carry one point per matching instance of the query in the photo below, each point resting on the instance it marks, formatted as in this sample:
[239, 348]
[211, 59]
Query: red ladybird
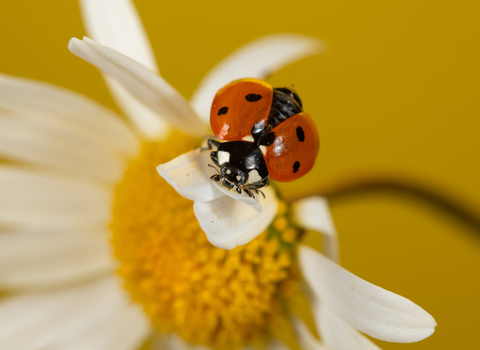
[266, 133]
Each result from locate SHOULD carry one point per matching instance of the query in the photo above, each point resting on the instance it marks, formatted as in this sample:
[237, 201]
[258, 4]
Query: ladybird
[260, 132]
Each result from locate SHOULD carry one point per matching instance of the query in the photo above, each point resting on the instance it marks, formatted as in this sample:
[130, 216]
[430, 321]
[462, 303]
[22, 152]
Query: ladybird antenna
[214, 167]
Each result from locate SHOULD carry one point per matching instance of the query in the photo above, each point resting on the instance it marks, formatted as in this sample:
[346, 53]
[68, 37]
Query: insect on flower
[264, 132]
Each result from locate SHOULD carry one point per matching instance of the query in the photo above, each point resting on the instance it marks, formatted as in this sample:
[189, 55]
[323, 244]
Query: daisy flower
[79, 185]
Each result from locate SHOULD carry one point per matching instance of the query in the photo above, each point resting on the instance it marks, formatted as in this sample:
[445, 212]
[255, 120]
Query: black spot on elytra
[268, 139]
[300, 134]
[222, 110]
[296, 166]
[253, 97]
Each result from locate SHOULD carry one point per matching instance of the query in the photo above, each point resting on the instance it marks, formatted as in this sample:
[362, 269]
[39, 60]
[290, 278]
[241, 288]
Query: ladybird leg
[200, 148]
[211, 143]
[216, 169]
[239, 190]
[259, 184]
[264, 183]
[214, 158]
[258, 191]
[215, 177]
[250, 193]
[255, 187]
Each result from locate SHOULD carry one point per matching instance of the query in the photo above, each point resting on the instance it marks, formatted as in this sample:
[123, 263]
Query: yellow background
[397, 94]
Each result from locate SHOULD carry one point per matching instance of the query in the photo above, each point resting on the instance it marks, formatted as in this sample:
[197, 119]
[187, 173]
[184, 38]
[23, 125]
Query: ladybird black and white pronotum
[260, 131]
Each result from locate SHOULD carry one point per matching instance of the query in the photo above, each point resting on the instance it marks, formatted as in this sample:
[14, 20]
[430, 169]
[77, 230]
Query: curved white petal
[38, 100]
[243, 197]
[228, 222]
[126, 328]
[45, 200]
[305, 338]
[116, 24]
[150, 124]
[366, 307]
[336, 333]
[256, 59]
[40, 320]
[314, 214]
[147, 86]
[32, 259]
[188, 175]
[40, 142]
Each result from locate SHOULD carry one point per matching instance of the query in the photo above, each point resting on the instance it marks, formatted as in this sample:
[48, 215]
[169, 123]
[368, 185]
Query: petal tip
[370, 309]
[221, 245]
[319, 47]
[72, 43]
[309, 45]
[160, 168]
[161, 171]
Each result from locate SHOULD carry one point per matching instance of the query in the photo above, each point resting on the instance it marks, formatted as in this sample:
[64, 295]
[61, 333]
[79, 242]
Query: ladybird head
[231, 177]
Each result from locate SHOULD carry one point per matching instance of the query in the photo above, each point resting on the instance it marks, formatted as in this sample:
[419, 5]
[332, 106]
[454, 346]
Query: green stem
[342, 190]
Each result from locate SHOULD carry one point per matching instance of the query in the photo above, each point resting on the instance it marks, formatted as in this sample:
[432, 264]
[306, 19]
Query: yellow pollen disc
[220, 298]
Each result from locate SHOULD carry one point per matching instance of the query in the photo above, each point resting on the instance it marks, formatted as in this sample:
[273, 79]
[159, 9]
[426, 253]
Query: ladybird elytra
[294, 150]
[238, 106]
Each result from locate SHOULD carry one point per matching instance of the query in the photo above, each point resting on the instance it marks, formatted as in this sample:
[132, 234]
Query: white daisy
[70, 161]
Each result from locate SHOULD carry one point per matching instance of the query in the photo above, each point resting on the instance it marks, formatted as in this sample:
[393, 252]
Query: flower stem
[363, 186]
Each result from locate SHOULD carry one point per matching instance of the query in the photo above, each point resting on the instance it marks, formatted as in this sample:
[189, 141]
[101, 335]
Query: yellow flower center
[219, 298]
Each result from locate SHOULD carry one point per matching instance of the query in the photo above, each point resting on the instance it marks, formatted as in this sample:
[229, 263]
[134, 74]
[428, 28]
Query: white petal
[366, 307]
[256, 59]
[148, 87]
[189, 176]
[336, 333]
[148, 123]
[116, 24]
[228, 222]
[125, 329]
[305, 338]
[38, 199]
[32, 259]
[36, 320]
[40, 142]
[32, 98]
[314, 214]
[243, 197]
